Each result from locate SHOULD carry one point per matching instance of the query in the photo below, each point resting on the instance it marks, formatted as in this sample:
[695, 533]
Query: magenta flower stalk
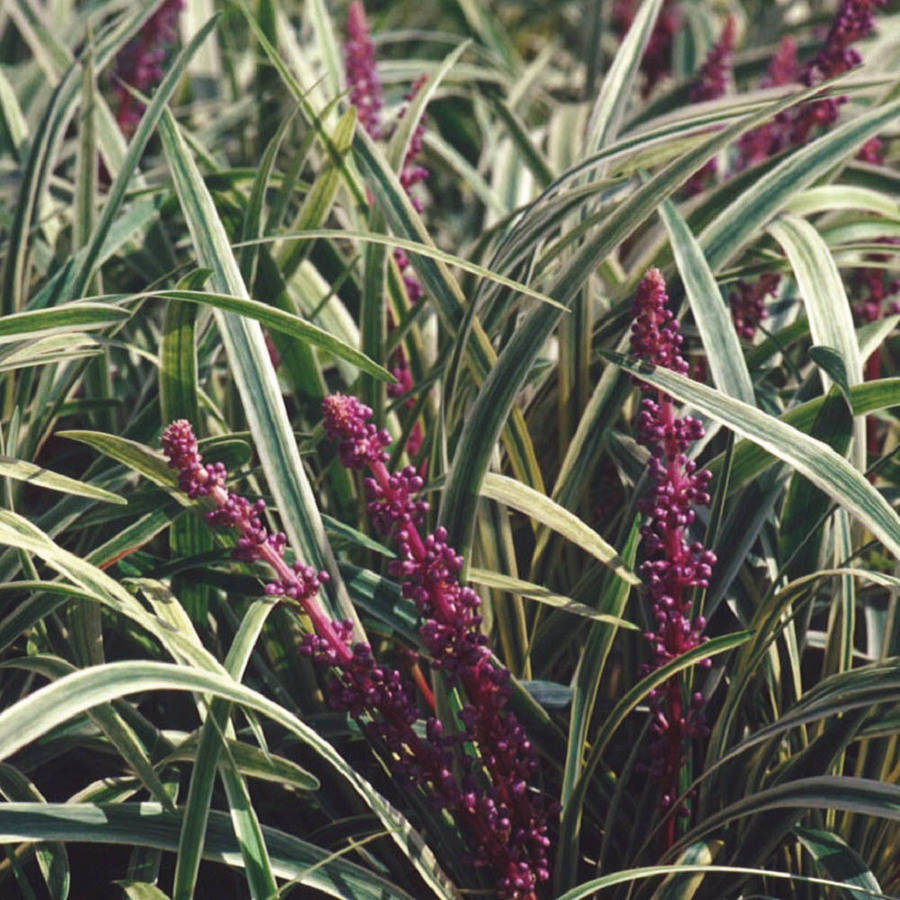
[710, 84]
[299, 582]
[853, 20]
[413, 172]
[139, 64]
[747, 303]
[367, 96]
[362, 77]
[673, 565]
[656, 62]
[873, 293]
[759, 144]
[516, 842]
[362, 688]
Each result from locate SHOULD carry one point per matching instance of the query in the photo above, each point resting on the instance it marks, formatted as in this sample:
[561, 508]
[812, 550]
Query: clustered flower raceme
[366, 95]
[874, 293]
[362, 77]
[853, 20]
[413, 172]
[710, 84]
[673, 565]
[139, 64]
[254, 542]
[874, 290]
[361, 687]
[758, 145]
[747, 303]
[656, 62]
[506, 826]
[511, 820]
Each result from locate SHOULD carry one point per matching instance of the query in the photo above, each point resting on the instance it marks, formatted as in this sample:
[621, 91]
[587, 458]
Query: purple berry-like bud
[346, 422]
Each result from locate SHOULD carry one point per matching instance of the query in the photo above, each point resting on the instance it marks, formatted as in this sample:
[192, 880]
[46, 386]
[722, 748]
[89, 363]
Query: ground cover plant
[449, 449]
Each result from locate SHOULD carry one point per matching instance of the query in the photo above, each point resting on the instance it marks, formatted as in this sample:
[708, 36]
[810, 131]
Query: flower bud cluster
[710, 84]
[362, 77]
[874, 289]
[366, 96]
[656, 62]
[853, 21]
[507, 822]
[747, 303]
[139, 63]
[413, 172]
[254, 542]
[759, 144]
[674, 565]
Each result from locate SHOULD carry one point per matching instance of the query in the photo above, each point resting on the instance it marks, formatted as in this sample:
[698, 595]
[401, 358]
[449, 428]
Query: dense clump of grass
[449, 449]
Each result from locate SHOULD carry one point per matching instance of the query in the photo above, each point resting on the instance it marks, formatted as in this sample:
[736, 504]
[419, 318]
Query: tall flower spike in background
[367, 96]
[853, 20]
[515, 843]
[673, 566]
[656, 62]
[362, 77]
[139, 65]
[758, 145]
[710, 84]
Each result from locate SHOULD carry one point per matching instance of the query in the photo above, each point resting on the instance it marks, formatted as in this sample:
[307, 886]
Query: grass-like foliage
[449, 449]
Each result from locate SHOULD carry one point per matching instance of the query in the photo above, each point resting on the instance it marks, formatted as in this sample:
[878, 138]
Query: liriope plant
[449, 449]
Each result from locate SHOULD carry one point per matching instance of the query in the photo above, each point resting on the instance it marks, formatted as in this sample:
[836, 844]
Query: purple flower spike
[656, 62]
[655, 335]
[673, 564]
[760, 143]
[712, 79]
[506, 823]
[710, 84]
[139, 64]
[362, 77]
[300, 583]
[413, 172]
[783, 68]
[748, 303]
[853, 20]
[366, 96]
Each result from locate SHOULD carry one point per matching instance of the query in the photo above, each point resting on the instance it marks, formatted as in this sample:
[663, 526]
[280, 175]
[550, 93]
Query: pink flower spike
[139, 64]
[507, 824]
[673, 566]
[362, 76]
[710, 84]
[712, 79]
[783, 69]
